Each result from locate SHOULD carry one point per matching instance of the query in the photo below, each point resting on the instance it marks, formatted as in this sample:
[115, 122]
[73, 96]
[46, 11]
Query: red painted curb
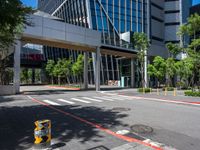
[122, 137]
[62, 87]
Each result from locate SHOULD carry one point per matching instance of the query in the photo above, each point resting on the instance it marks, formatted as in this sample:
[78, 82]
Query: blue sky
[33, 3]
[196, 2]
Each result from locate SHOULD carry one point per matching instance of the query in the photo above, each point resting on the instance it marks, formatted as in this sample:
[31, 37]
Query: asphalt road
[89, 120]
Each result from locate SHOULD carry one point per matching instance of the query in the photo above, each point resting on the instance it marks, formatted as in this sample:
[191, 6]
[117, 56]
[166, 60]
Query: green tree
[63, 69]
[37, 75]
[174, 49]
[13, 16]
[50, 69]
[67, 68]
[170, 70]
[184, 69]
[24, 75]
[193, 25]
[58, 70]
[141, 43]
[157, 69]
[12, 19]
[78, 66]
[191, 28]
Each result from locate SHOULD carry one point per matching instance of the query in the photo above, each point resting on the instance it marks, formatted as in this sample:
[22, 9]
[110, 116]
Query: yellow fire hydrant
[42, 134]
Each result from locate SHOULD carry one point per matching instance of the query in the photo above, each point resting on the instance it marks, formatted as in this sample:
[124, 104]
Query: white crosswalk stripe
[123, 97]
[104, 98]
[118, 98]
[80, 100]
[87, 100]
[92, 99]
[52, 103]
[65, 101]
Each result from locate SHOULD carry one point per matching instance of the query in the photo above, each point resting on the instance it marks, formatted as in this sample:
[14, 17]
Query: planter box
[7, 90]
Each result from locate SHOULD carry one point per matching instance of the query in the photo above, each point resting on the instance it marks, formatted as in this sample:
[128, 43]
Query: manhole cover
[121, 109]
[142, 129]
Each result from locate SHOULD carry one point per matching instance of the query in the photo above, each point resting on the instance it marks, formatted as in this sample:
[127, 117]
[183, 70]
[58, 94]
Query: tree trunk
[58, 80]
[142, 76]
[52, 80]
[158, 84]
[68, 80]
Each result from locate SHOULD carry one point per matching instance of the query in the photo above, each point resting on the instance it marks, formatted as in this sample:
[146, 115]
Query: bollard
[42, 134]
[175, 92]
[165, 91]
[143, 90]
[158, 92]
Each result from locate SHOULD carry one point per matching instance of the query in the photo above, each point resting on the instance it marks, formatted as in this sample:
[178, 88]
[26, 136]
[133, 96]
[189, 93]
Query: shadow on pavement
[10, 98]
[46, 92]
[99, 147]
[17, 124]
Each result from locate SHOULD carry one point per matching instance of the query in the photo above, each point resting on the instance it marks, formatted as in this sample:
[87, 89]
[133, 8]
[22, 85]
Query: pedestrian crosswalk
[80, 100]
[84, 99]
[92, 99]
[51, 102]
[66, 101]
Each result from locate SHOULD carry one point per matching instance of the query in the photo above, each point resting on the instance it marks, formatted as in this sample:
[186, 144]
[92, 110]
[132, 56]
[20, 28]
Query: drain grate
[141, 129]
[121, 109]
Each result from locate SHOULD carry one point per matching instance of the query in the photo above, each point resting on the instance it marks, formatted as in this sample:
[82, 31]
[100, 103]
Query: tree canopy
[13, 16]
[141, 43]
[158, 68]
[78, 66]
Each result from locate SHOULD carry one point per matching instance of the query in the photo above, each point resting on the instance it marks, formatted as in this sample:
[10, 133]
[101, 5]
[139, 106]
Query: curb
[64, 88]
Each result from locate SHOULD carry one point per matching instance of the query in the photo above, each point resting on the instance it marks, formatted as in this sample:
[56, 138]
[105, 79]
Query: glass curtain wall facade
[113, 17]
[110, 17]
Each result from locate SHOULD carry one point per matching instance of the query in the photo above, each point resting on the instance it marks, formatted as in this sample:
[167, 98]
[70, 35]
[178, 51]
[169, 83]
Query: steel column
[98, 69]
[85, 70]
[132, 73]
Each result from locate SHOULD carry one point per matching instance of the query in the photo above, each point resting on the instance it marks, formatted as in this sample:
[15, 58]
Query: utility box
[122, 82]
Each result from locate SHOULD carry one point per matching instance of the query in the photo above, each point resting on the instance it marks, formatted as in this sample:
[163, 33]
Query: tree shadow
[10, 98]
[46, 92]
[17, 124]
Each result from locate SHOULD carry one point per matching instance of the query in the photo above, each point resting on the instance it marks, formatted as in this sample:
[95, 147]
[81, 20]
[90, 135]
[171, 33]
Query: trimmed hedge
[191, 93]
[146, 90]
[168, 88]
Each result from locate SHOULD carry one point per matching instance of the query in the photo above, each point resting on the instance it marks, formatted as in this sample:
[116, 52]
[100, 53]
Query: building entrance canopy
[46, 31]
[54, 32]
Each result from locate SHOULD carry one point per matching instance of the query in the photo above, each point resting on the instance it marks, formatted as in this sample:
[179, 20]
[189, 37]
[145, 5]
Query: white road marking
[119, 98]
[52, 103]
[65, 101]
[80, 100]
[104, 98]
[92, 99]
[154, 143]
[122, 132]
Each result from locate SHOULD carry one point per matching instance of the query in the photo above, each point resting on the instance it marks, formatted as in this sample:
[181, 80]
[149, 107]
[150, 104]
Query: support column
[85, 70]
[94, 65]
[132, 73]
[16, 79]
[97, 69]
[145, 70]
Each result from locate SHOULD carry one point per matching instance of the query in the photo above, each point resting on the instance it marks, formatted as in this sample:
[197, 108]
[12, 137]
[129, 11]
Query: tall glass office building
[111, 17]
[159, 19]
